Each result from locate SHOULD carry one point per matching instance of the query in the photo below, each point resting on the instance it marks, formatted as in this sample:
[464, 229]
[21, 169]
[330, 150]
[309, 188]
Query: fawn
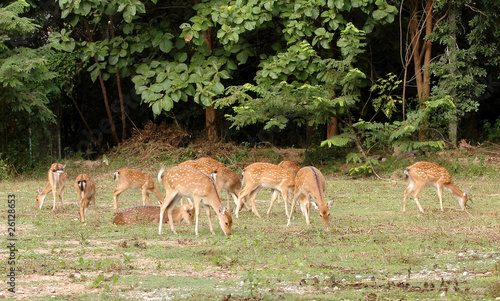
[425, 173]
[186, 181]
[151, 214]
[309, 181]
[265, 175]
[127, 178]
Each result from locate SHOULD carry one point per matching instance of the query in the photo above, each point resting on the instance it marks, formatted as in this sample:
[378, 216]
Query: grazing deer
[425, 173]
[151, 214]
[127, 178]
[57, 180]
[290, 165]
[85, 190]
[294, 168]
[186, 181]
[265, 175]
[309, 181]
[205, 165]
[225, 178]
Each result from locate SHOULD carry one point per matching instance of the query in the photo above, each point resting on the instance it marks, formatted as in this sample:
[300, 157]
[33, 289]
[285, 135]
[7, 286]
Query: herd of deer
[202, 181]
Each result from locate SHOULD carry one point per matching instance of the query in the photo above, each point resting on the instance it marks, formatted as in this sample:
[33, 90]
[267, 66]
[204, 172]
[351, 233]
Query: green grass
[372, 252]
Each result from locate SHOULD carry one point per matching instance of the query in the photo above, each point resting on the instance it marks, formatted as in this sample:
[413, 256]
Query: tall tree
[25, 84]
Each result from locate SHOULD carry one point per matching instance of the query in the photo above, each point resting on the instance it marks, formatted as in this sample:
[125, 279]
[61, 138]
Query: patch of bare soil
[57, 284]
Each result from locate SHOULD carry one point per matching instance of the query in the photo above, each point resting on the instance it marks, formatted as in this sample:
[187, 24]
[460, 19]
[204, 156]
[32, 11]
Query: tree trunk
[104, 92]
[210, 111]
[310, 131]
[333, 127]
[421, 57]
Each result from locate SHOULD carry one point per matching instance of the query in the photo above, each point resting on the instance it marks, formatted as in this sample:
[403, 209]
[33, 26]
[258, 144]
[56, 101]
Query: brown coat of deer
[225, 178]
[309, 181]
[186, 181]
[294, 168]
[57, 180]
[265, 175]
[85, 190]
[151, 214]
[127, 178]
[425, 173]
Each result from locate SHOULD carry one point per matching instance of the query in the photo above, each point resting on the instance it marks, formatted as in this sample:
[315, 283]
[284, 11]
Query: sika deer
[85, 190]
[425, 173]
[127, 178]
[186, 181]
[151, 214]
[265, 175]
[309, 181]
[57, 180]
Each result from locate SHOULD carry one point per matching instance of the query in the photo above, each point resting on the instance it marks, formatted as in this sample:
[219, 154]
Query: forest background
[360, 77]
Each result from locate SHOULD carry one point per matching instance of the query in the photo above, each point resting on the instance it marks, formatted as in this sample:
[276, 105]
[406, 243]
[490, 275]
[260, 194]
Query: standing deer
[186, 181]
[225, 178]
[57, 180]
[127, 178]
[294, 168]
[85, 190]
[151, 214]
[425, 173]
[309, 181]
[265, 175]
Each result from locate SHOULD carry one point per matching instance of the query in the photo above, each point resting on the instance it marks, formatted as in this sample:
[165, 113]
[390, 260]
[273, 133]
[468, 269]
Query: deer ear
[330, 203]
[314, 205]
[39, 190]
[222, 209]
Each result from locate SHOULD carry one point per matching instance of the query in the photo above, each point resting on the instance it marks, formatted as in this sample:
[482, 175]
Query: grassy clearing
[372, 252]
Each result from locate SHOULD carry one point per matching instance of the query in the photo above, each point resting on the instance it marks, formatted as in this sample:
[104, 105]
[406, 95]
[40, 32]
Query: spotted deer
[85, 191]
[130, 178]
[151, 214]
[425, 173]
[290, 165]
[186, 181]
[294, 168]
[265, 175]
[225, 178]
[309, 181]
[57, 180]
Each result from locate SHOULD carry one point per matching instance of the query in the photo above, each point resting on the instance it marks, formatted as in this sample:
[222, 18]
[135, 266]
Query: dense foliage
[77, 75]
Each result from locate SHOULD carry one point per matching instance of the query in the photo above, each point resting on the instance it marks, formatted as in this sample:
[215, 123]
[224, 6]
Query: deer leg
[54, 192]
[116, 194]
[249, 188]
[415, 194]
[61, 196]
[95, 208]
[207, 209]
[251, 198]
[306, 201]
[168, 199]
[197, 214]
[274, 197]
[408, 190]
[293, 207]
[284, 194]
[439, 187]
